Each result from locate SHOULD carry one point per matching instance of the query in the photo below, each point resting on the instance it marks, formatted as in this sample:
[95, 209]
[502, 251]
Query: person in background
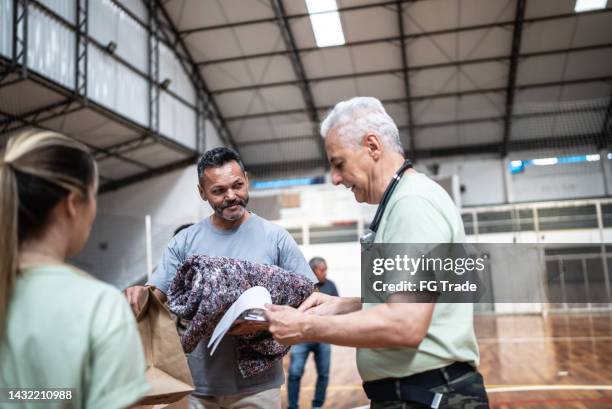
[325, 285]
[322, 351]
[59, 327]
[234, 232]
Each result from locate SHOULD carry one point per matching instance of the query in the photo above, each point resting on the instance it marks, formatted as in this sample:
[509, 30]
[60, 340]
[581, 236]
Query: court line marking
[496, 388]
[541, 339]
[530, 388]
[532, 401]
[549, 400]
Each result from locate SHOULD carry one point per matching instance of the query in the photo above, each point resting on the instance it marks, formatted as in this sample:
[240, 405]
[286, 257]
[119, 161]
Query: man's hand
[135, 297]
[323, 304]
[287, 325]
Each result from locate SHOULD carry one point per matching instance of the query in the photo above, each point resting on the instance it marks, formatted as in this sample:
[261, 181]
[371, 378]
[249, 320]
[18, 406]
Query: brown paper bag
[167, 369]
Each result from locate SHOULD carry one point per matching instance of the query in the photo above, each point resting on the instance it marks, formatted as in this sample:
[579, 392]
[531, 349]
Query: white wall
[325, 202]
[117, 87]
[606, 165]
[109, 23]
[115, 251]
[487, 180]
[212, 137]
[575, 180]
[482, 178]
[564, 181]
[177, 120]
[170, 67]
[6, 28]
[171, 200]
[50, 47]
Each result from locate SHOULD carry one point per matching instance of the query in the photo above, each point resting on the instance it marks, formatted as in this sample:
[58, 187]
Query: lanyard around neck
[387, 195]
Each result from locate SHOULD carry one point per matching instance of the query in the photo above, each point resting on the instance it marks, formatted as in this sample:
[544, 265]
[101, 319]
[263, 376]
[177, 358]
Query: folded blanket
[205, 287]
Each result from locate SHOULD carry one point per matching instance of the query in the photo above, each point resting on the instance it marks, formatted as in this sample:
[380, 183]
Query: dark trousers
[299, 355]
[465, 392]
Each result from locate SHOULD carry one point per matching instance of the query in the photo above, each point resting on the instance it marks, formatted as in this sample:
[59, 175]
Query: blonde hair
[37, 169]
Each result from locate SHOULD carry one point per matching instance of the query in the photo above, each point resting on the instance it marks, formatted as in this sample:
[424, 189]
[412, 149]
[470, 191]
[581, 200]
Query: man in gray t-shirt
[230, 231]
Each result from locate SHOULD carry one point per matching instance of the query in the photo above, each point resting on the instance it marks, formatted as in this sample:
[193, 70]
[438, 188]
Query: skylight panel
[325, 20]
[588, 5]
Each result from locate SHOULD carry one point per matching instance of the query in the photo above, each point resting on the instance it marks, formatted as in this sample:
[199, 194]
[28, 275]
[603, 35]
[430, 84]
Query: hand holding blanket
[205, 287]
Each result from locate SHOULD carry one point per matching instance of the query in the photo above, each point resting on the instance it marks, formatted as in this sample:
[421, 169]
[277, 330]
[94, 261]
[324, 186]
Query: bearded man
[231, 231]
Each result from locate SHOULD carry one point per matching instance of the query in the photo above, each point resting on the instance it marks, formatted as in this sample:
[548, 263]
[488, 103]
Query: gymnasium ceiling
[457, 76]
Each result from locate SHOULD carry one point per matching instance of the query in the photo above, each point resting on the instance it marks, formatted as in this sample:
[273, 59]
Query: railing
[512, 218]
[578, 265]
[541, 216]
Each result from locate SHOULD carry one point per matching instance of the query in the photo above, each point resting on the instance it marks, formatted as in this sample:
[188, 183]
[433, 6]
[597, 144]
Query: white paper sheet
[254, 297]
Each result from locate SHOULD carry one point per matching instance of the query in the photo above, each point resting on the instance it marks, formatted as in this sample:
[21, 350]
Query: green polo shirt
[420, 211]
[67, 330]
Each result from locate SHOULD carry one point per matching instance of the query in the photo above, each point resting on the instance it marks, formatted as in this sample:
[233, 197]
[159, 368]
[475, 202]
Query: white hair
[353, 118]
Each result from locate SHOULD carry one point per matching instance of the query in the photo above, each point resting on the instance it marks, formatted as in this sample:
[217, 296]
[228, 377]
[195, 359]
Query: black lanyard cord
[387, 195]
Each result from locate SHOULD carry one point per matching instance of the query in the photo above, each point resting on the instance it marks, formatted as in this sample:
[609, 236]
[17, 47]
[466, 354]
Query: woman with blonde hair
[59, 327]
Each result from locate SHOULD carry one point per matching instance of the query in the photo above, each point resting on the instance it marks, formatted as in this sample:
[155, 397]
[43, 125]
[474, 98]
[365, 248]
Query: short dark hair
[216, 157]
[316, 262]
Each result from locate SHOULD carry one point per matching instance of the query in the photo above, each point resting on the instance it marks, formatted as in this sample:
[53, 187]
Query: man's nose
[336, 178]
[230, 195]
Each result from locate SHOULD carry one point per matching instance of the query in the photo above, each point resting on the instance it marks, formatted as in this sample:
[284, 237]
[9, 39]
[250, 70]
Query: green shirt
[68, 330]
[420, 211]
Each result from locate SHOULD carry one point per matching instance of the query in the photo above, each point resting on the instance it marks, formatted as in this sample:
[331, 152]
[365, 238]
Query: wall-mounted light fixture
[165, 83]
[111, 47]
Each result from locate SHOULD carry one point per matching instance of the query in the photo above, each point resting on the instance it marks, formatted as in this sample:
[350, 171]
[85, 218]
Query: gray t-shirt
[256, 240]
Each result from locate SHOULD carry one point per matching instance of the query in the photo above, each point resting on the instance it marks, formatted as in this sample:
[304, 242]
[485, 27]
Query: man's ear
[374, 146]
[202, 192]
[246, 177]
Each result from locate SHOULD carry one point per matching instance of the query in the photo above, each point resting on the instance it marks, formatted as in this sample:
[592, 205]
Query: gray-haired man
[410, 355]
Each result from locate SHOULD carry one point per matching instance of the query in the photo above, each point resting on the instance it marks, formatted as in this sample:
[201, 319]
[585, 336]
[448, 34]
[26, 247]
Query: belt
[415, 388]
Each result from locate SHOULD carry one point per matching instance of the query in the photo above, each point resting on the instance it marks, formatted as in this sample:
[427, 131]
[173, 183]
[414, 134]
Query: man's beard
[240, 202]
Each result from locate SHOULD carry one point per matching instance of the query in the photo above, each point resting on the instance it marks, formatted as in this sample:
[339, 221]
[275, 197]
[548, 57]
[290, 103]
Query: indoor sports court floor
[528, 361]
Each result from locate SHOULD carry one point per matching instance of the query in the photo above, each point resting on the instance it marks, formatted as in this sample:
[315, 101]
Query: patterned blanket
[205, 287]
